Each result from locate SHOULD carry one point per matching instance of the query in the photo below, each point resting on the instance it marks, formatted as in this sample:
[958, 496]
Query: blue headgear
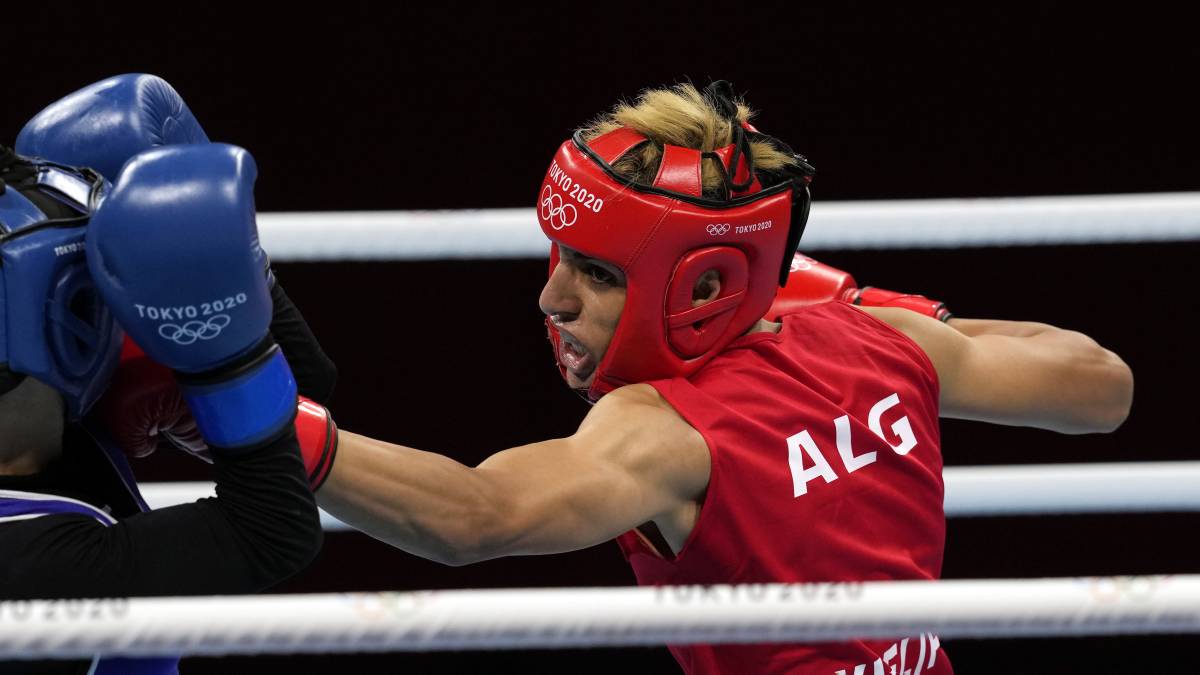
[53, 325]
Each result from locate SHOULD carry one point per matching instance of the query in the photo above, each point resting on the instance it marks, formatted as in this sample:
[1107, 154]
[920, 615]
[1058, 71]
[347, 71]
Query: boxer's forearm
[1021, 374]
[1081, 386]
[421, 502]
[1094, 385]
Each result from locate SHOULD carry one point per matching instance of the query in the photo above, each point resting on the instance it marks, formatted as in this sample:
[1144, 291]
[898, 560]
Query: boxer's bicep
[632, 461]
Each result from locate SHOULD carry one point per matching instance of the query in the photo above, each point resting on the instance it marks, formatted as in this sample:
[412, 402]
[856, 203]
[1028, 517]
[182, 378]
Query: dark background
[447, 105]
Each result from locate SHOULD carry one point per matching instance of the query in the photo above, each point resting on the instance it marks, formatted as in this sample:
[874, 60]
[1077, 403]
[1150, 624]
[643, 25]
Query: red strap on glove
[144, 407]
[812, 282]
[318, 437]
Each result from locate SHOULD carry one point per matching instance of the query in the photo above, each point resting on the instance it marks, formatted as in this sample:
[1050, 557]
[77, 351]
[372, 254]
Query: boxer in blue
[80, 258]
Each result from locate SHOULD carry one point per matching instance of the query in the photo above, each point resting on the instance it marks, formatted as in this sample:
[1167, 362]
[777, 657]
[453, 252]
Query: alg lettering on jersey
[888, 664]
[802, 444]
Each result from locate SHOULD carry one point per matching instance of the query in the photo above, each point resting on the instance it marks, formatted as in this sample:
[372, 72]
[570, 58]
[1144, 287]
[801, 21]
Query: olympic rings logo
[555, 212]
[718, 229]
[194, 330]
[1122, 588]
[382, 606]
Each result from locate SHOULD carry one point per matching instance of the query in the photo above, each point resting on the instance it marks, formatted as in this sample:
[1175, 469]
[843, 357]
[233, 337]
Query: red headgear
[664, 237]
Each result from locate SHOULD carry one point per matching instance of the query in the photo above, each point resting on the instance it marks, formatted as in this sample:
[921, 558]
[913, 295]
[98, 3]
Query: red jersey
[826, 467]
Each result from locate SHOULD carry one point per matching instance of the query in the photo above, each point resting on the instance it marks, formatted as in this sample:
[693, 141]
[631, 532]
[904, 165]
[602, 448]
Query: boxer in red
[732, 440]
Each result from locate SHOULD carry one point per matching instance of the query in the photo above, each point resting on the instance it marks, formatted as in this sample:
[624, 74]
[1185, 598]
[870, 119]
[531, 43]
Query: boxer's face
[583, 298]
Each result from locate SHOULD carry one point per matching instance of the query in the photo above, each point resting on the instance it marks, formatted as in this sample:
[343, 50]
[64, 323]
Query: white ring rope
[914, 223]
[1118, 487]
[589, 617]
[970, 490]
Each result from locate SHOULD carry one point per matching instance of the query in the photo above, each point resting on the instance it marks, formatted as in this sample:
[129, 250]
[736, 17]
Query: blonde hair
[682, 116]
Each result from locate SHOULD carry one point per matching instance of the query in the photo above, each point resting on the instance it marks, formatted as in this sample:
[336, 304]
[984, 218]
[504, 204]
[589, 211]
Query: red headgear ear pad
[691, 331]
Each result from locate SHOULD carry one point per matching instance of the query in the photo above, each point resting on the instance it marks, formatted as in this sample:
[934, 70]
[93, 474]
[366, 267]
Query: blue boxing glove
[174, 252]
[106, 123]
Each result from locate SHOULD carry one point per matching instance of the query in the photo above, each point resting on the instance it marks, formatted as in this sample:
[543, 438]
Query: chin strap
[583, 394]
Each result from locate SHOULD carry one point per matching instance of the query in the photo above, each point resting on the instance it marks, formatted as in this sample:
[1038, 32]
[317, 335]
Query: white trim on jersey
[42, 497]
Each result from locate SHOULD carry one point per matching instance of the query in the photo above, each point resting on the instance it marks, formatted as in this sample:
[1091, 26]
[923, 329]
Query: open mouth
[574, 357]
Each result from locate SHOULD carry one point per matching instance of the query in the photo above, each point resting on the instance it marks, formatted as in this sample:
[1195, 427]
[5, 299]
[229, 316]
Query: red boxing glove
[811, 283]
[143, 407]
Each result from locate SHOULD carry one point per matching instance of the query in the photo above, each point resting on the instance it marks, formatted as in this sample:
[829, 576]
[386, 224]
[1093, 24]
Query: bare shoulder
[942, 344]
[637, 411]
[640, 398]
[636, 426]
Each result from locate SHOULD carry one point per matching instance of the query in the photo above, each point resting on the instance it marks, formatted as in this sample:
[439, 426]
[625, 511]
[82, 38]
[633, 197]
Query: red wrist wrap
[318, 438]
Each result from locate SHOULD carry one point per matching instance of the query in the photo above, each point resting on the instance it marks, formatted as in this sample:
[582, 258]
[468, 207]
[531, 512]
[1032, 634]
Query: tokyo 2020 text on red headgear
[664, 236]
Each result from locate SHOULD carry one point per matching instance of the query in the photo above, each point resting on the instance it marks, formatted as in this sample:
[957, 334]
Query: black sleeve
[262, 527]
[315, 372]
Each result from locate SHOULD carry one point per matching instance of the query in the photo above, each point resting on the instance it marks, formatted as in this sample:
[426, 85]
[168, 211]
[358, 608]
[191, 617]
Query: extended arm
[632, 460]
[1021, 373]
